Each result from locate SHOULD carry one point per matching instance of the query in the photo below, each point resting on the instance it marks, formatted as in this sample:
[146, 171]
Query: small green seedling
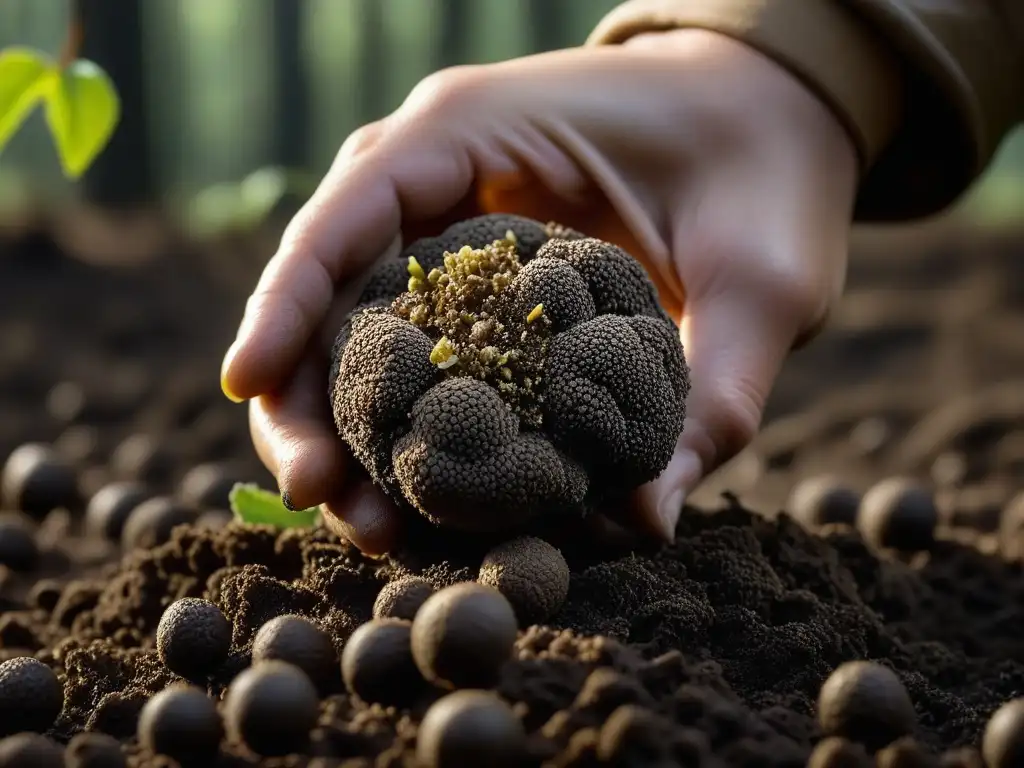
[254, 505]
[81, 103]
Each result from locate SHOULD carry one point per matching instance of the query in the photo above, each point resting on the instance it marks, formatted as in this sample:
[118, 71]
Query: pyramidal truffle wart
[504, 368]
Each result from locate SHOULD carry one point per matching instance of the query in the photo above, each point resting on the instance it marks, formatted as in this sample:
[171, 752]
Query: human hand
[718, 170]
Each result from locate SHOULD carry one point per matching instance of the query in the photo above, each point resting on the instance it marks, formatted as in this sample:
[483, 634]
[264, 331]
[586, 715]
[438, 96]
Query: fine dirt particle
[531, 574]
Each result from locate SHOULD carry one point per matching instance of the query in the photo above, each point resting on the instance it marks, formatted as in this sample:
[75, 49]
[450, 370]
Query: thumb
[735, 344]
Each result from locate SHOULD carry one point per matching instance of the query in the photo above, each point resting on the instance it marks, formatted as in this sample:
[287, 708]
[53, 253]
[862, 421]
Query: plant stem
[72, 41]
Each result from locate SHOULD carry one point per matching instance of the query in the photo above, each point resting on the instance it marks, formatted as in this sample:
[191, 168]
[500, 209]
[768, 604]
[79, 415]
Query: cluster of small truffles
[897, 513]
[504, 369]
[454, 641]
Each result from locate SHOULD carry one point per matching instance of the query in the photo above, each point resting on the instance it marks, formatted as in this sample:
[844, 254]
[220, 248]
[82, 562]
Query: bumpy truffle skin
[531, 573]
[607, 407]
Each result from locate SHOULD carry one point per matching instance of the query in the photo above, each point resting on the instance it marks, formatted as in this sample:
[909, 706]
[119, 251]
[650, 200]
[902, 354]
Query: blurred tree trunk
[453, 37]
[548, 20]
[291, 86]
[372, 85]
[122, 175]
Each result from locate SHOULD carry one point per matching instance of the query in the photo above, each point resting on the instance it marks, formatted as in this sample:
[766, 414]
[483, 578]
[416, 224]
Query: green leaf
[252, 504]
[25, 77]
[82, 110]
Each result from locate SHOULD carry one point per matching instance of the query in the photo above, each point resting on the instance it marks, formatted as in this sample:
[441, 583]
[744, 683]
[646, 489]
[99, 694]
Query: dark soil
[720, 642]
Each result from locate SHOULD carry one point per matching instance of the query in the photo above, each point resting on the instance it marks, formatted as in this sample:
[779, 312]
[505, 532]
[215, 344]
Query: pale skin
[726, 177]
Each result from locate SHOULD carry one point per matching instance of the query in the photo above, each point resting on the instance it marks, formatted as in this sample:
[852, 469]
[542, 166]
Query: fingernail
[668, 514]
[224, 379]
[286, 500]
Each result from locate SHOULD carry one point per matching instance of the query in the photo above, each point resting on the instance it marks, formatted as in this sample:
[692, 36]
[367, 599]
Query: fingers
[407, 170]
[735, 345]
[365, 516]
[293, 433]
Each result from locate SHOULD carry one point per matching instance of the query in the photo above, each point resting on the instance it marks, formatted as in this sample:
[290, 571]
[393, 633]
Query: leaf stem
[73, 40]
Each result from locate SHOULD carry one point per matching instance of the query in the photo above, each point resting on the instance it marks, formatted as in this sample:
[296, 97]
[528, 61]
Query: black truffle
[470, 728]
[109, 508]
[836, 752]
[152, 522]
[94, 750]
[1002, 744]
[36, 481]
[898, 514]
[30, 750]
[31, 696]
[463, 635]
[298, 641]
[821, 501]
[145, 458]
[483, 378]
[272, 706]
[193, 637]
[18, 549]
[181, 722]
[377, 663]
[207, 486]
[402, 598]
[865, 702]
[531, 574]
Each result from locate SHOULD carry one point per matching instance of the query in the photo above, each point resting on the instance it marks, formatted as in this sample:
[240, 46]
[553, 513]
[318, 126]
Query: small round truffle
[298, 641]
[272, 706]
[145, 458]
[151, 523]
[470, 728]
[181, 722]
[36, 481]
[193, 637]
[377, 663]
[31, 696]
[531, 573]
[1002, 744]
[836, 752]
[94, 750]
[463, 635]
[401, 598]
[865, 702]
[207, 486]
[30, 750]
[898, 514]
[110, 506]
[820, 501]
[18, 549]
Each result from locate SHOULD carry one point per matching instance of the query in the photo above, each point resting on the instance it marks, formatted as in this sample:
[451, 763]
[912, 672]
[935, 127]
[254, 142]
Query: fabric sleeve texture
[927, 89]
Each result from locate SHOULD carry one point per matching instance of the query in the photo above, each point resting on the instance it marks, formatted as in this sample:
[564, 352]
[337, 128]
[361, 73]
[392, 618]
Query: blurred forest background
[214, 90]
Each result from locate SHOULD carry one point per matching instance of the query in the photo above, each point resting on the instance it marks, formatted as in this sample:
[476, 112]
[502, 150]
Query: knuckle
[361, 140]
[445, 91]
[735, 415]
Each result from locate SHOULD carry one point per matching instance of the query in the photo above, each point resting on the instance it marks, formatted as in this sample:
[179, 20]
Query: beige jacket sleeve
[926, 88]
